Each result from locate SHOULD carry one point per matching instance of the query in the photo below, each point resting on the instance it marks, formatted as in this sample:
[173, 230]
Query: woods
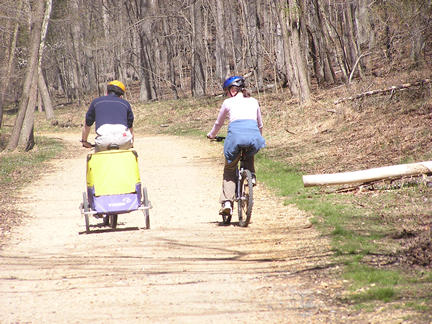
[172, 49]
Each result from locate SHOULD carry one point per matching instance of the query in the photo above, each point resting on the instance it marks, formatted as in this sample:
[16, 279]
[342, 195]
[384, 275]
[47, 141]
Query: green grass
[365, 275]
[18, 168]
[353, 234]
[420, 306]
[428, 276]
[385, 294]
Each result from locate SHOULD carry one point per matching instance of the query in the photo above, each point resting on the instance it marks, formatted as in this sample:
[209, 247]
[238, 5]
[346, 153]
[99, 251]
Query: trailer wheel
[86, 209]
[146, 211]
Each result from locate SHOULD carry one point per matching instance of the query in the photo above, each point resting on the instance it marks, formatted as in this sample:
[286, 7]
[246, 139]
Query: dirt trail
[185, 269]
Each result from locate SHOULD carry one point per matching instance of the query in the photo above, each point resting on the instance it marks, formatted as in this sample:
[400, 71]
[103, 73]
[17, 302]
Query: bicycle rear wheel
[245, 203]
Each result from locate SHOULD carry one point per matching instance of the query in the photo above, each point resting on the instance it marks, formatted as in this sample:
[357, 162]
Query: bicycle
[244, 190]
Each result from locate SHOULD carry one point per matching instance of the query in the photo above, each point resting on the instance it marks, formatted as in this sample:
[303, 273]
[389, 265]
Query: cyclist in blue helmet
[244, 129]
[237, 81]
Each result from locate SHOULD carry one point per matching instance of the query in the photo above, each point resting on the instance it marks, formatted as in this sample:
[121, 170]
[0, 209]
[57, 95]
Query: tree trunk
[417, 37]
[279, 43]
[296, 38]
[10, 57]
[39, 102]
[323, 69]
[145, 90]
[140, 12]
[35, 36]
[365, 33]
[197, 64]
[45, 96]
[171, 73]
[334, 40]
[352, 47]
[26, 139]
[220, 55]
[281, 11]
[237, 57]
[253, 39]
[42, 87]
[76, 49]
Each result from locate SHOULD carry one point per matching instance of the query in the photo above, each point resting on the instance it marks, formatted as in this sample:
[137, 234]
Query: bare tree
[253, 39]
[42, 87]
[35, 36]
[76, 47]
[169, 43]
[191, 46]
[198, 86]
[220, 53]
[26, 140]
[9, 59]
[140, 14]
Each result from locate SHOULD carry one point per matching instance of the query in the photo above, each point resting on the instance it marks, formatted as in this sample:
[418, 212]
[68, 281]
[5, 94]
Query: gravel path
[186, 269]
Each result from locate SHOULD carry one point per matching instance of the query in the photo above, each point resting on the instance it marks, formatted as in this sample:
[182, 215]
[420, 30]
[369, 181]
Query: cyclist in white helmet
[244, 129]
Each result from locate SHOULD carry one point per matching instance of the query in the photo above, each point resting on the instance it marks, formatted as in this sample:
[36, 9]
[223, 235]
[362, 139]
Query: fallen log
[368, 175]
[382, 91]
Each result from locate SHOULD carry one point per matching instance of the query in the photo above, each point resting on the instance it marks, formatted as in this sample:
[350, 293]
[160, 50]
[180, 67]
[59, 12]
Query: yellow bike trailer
[113, 187]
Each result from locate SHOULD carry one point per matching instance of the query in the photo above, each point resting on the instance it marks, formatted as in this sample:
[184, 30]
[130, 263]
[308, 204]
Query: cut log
[368, 175]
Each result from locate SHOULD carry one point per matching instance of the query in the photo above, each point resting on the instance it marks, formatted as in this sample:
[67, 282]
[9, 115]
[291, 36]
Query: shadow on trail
[222, 224]
[110, 230]
[235, 255]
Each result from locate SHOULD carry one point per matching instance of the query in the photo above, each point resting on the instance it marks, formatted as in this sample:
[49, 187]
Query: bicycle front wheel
[245, 202]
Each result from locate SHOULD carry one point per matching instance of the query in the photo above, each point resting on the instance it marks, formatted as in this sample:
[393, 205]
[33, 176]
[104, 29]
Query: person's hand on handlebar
[216, 138]
[86, 144]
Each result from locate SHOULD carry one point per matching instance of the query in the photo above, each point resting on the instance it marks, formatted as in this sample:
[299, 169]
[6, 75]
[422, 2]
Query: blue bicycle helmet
[237, 81]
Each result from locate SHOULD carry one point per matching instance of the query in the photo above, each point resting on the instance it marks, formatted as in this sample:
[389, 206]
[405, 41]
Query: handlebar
[217, 139]
[87, 144]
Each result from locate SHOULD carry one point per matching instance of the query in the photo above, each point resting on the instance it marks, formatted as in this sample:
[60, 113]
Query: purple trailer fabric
[116, 203]
[121, 203]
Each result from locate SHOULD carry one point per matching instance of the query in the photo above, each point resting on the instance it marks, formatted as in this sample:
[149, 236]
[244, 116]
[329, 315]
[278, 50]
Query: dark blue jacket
[109, 109]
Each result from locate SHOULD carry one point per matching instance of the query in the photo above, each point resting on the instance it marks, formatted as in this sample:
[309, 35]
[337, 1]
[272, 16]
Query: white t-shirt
[236, 108]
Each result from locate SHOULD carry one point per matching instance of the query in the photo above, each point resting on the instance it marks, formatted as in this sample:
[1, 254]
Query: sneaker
[226, 208]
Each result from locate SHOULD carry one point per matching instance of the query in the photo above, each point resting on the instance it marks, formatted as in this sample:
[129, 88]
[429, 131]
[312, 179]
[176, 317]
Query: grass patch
[385, 294]
[18, 168]
[355, 234]
[333, 218]
[420, 306]
[363, 275]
